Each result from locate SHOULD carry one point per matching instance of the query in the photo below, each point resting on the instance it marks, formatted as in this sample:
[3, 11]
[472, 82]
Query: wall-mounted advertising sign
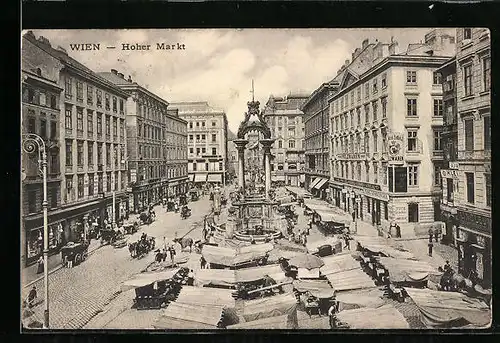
[395, 147]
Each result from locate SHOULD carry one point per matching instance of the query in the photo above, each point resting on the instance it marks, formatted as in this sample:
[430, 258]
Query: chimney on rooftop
[392, 47]
[129, 79]
[30, 34]
[346, 63]
[121, 75]
[44, 40]
[114, 71]
[365, 43]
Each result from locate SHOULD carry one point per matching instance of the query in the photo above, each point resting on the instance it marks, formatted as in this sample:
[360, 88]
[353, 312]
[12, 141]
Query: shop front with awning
[314, 183]
[214, 178]
[191, 177]
[321, 183]
[200, 178]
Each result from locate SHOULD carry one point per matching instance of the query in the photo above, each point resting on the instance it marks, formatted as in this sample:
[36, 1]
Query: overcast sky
[218, 65]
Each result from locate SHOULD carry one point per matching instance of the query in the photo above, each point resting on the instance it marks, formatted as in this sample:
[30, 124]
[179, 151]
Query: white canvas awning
[214, 178]
[384, 317]
[144, 279]
[200, 178]
[191, 177]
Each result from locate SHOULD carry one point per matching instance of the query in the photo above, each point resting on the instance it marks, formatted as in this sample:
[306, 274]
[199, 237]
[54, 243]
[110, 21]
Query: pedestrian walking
[436, 235]
[332, 313]
[346, 241]
[353, 216]
[310, 223]
[430, 245]
[32, 295]
[190, 278]
[431, 233]
[172, 256]
[40, 266]
[398, 231]
[203, 263]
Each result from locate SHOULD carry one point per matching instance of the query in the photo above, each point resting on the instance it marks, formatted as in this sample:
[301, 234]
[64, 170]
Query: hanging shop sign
[453, 165]
[133, 175]
[474, 221]
[395, 147]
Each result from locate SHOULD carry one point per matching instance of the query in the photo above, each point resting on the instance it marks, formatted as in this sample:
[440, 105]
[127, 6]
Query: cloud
[218, 64]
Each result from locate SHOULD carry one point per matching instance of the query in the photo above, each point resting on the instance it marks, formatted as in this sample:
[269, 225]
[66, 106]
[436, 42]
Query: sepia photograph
[241, 179]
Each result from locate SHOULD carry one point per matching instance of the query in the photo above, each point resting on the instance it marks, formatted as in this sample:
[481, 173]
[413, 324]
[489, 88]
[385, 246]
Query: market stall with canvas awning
[274, 271]
[403, 270]
[283, 322]
[350, 280]
[439, 309]
[278, 305]
[339, 263]
[144, 279]
[206, 296]
[182, 316]
[191, 177]
[384, 317]
[215, 277]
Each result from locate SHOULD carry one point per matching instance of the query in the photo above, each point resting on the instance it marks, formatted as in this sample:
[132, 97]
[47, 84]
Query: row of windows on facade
[68, 93]
[468, 76]
[153, 111]
[80, 185]
[43, 130]
[470, 184]
[354, 96]
[201, 138]
[280, 166]
[292, 144]
[354, 143]
[356, 170]
[283, 120]
[68, 123]
[201, 124]
[157, 132]
[118, 150]
[292, 132]
[316, 124]
[317, 142]
[318, 162]
[40, 97]
[354, 118]
[169, 153]
[35, 204]
[147, 172]
[207, 167]
[202, 151]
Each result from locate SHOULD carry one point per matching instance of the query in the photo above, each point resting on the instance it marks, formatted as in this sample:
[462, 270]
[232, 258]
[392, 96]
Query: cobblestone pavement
[78, 294]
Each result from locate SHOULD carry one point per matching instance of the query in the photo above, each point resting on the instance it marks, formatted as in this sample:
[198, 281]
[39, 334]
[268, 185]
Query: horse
[185, 242]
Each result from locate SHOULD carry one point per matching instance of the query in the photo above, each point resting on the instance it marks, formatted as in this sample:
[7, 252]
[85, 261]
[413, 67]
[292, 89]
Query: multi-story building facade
[386, 124]
[285, 119]
[207, 142]
[449, 142]
[317, 143]
[40, 116]
[92, 139]
[156, 145]
[474, 198]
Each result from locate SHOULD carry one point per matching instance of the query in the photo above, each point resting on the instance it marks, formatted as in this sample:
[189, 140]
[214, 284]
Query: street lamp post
[32, 143]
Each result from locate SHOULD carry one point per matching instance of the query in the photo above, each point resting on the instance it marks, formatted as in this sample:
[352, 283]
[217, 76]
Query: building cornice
[392, 61]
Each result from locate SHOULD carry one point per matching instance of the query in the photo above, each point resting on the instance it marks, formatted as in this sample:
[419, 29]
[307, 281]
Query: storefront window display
[35, 240]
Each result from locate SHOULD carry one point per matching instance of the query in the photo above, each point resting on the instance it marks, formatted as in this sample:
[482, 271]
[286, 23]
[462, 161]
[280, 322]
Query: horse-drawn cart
[131, 227]
[194, 195]
[75, 252]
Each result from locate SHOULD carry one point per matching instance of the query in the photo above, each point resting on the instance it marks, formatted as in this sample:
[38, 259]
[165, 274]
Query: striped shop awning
[200, 177]
[320, 184]
[316, 180]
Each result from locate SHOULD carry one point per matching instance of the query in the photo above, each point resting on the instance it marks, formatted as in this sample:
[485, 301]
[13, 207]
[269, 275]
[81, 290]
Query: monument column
[266, 145]
[240, 146]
